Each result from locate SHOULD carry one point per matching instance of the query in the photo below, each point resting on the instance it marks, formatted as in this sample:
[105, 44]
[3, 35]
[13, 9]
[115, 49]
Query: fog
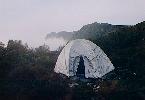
[54, 43]
[31, 20]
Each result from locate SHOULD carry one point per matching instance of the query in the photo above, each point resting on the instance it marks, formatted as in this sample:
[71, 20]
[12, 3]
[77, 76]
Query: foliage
[124, 45]
[17, 57]
[27, 73]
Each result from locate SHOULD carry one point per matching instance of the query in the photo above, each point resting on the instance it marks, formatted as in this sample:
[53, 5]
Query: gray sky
[31, 20]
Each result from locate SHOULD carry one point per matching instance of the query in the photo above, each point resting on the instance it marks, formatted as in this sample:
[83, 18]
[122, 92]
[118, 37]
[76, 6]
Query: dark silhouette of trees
[27, 73]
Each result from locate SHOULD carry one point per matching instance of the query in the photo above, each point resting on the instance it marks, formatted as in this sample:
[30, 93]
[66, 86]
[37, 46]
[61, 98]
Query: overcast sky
[31, 20]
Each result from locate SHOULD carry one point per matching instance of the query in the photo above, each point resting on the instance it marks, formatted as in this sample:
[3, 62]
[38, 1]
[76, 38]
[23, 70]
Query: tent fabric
[96, 62]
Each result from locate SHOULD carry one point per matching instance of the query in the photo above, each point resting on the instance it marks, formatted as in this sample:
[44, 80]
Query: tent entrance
[81, 68]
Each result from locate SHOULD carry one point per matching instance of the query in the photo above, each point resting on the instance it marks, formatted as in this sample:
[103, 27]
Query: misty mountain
[87, 31]
[62, 34]
[26, 72]
[96, 30]
[124, 45]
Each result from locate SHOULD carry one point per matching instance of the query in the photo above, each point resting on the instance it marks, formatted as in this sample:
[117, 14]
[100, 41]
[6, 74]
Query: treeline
[17, 60]
[27, 73]
[123, 44]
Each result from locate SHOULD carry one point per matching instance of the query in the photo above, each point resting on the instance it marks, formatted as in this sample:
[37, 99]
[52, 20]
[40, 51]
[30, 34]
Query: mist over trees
[28, 73]
[124, 45]
[19, 56]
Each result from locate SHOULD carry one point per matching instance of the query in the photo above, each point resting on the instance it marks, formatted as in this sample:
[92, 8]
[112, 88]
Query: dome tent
[95, 61]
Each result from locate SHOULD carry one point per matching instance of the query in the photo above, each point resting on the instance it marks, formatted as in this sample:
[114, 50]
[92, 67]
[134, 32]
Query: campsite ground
[60, 90]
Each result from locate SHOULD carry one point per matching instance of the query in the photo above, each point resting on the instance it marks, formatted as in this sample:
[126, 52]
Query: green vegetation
[16, 56]
[124, 45]
[27, 73]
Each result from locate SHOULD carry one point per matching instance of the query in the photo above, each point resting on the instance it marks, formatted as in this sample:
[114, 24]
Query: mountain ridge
[123, 44]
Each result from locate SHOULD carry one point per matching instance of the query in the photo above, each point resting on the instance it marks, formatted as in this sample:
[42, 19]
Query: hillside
[29, 73]
[125, 47]
[122, 43]
[62, 34]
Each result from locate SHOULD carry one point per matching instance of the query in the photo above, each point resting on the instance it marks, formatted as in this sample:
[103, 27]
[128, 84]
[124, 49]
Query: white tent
[96, 61]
